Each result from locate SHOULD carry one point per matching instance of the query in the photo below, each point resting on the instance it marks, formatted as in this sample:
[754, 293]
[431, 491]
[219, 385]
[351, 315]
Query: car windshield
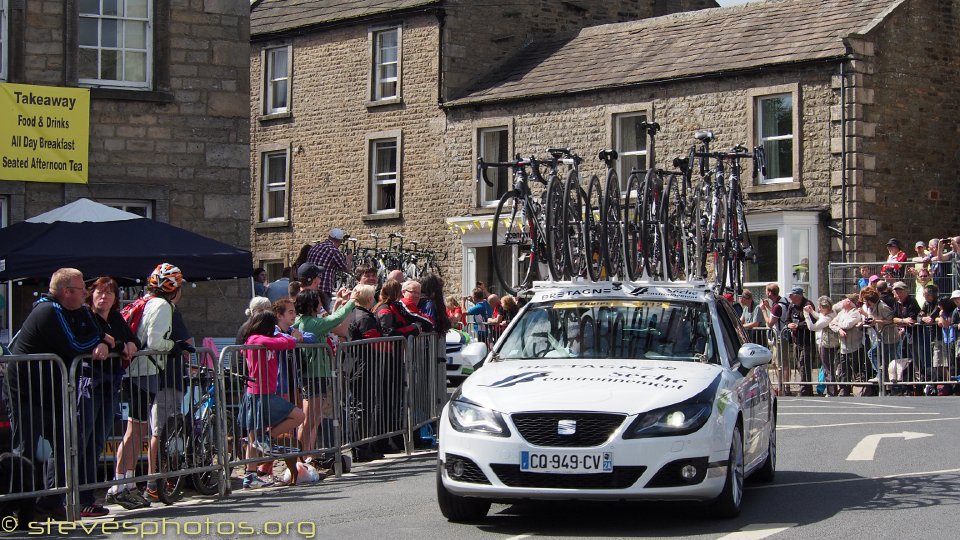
[627, 329]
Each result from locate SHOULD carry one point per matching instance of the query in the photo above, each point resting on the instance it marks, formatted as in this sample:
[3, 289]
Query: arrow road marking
[865, 449]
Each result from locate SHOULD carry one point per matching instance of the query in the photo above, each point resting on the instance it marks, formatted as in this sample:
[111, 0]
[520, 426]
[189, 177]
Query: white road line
[783, 426]
[858, 479]
[521, 536]
[753, 532]
[851, 403]
[874, 413]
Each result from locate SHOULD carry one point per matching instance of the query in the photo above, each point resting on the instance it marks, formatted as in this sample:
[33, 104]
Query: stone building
[346, 124]
[855, 102]
[866, 83]
[169, 119]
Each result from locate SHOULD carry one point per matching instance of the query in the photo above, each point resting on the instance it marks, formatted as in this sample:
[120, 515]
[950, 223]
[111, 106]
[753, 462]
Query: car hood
[619, 386]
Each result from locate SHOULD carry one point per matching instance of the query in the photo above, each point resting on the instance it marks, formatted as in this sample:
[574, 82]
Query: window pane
[279, 94]
[111, 7]
[88, 32]
[493, 147]
[275, 204]
[138, 210]
[800, 265]
[88, 64]
[388, 46]
[109, 64]
[90, 7]
[765, 269]
[386, 197]
[388, 71]
[135, 34]
[137, 8]
[278, 67]
[276, 165]
[135, 67]
[108, 32]
[779, 155]
[386, 158]
[776, 116]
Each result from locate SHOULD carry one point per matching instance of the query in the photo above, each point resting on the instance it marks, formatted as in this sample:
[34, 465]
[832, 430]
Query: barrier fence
[844, 278]
[245, 407]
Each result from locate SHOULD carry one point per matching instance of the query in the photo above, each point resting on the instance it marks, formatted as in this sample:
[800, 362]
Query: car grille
[592, 429]
[620, 478]
[471, 472]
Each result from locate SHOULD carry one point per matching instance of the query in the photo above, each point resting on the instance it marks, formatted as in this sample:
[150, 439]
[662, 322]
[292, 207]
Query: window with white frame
[384, 176]
[277, 80]
[4, 40]
[386, 64]
[631, 143]
[140, 208]
[116, 43]
[493, 147]
[775, 130]
[787, 252]
[274, 269]
[275, 171]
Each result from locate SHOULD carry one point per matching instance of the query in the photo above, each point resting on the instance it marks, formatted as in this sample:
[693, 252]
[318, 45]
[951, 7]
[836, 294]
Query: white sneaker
[874, 379]
[252, 481]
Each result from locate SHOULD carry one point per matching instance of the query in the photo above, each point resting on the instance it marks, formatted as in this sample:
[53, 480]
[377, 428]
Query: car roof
[547, 291]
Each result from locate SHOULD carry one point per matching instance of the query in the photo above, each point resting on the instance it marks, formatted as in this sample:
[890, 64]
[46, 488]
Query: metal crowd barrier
[426, 381]
[843, 278]
[37, 393]
[908, 360]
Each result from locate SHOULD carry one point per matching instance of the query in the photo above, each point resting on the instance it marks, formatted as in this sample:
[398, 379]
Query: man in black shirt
[906, 315]
[57, 325]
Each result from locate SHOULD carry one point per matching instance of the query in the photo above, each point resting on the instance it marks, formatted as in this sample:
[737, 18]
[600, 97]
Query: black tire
[205, 453]
[611, 238]
[728, 504]
[459, 509]
[593, 230]
[674, 231]
[574, 224]
[173, 455]
[651, 212]
[556, 238]
[768, 471]
[632, 235]
[719, 238]
[512, 222]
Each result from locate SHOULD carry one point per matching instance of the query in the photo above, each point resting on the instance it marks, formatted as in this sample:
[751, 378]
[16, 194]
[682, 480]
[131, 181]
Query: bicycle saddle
[704, 135]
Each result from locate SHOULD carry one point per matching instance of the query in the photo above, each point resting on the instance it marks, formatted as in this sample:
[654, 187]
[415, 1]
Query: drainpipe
[843, 162]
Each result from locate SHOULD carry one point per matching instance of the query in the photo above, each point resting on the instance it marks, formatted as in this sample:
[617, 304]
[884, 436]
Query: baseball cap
[307, 271]
[956, 294]
[893, 242]
[920, 243]
[899, 285]
[797, 290]
[873, 278]
[337, 233]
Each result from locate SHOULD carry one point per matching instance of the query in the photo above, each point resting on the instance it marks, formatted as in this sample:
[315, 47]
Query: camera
[946, 241]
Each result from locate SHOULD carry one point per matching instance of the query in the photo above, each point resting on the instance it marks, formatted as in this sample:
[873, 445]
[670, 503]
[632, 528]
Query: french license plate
[566, 462]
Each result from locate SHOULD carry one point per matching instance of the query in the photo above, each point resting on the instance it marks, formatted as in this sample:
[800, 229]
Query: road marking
[872, 413]
[866, 449]
[521, 536]
[851, 403]
[952, 418]
[753, 532]
[857, 479]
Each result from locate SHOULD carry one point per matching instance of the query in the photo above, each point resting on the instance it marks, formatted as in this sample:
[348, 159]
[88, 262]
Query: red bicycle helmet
[165, 277]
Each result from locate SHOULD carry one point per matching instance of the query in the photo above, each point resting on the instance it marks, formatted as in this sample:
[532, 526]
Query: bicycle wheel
[574, 225]
[175, 447]
[719, 243]
[674, 231]
[651, 211]
[556, 239]
[702, 209]
[632, 233]
[593, 230]
[205, 454]
[516, 228]
[612, 236]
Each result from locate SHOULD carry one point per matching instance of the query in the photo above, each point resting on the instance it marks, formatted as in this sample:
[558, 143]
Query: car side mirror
[752, 355]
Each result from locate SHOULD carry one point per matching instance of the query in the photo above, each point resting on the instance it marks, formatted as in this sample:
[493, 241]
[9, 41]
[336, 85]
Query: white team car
[463, 354]
[611, 391]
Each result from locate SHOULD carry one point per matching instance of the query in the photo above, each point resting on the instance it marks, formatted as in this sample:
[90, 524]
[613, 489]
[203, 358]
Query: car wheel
[457, 508]
[768, 470]
[728, 504]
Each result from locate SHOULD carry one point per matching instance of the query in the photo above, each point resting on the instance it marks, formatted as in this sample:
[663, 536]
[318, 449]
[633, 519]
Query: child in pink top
[263, 413]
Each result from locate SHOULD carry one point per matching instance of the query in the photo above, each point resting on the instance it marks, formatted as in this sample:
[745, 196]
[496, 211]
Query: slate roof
[682, 45]
[273, 16]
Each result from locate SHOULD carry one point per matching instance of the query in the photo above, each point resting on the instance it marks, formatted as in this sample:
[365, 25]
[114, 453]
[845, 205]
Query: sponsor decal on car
[612, 376]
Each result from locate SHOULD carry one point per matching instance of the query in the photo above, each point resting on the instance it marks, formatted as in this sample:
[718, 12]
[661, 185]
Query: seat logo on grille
[566, 427]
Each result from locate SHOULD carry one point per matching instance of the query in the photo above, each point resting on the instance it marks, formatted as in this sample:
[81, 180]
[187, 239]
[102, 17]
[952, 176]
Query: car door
[748, 388]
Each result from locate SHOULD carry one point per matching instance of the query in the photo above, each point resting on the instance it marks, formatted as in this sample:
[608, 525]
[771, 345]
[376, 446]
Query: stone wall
[904, 127]
[477, 38]
[183, 146]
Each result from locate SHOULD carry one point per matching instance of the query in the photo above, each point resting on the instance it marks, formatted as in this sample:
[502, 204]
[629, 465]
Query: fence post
[408, 392]
[71, 436]
[339, 411]
[220, 408]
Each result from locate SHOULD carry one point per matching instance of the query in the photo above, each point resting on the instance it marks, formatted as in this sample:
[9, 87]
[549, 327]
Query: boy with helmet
[150, 399]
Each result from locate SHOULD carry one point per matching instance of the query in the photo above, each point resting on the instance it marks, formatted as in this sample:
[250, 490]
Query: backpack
[133, 313]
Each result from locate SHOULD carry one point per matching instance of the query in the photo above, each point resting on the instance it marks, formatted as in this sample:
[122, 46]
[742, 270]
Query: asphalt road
[848, 468]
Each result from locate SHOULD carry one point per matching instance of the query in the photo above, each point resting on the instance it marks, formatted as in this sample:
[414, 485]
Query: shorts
[166, 403]
[138, 400]
[260, 411]
[939, 354]
[314, 387]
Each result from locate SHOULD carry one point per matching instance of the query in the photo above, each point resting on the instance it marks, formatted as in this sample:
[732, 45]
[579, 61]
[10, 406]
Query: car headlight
[469, 417]
[678, 419]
